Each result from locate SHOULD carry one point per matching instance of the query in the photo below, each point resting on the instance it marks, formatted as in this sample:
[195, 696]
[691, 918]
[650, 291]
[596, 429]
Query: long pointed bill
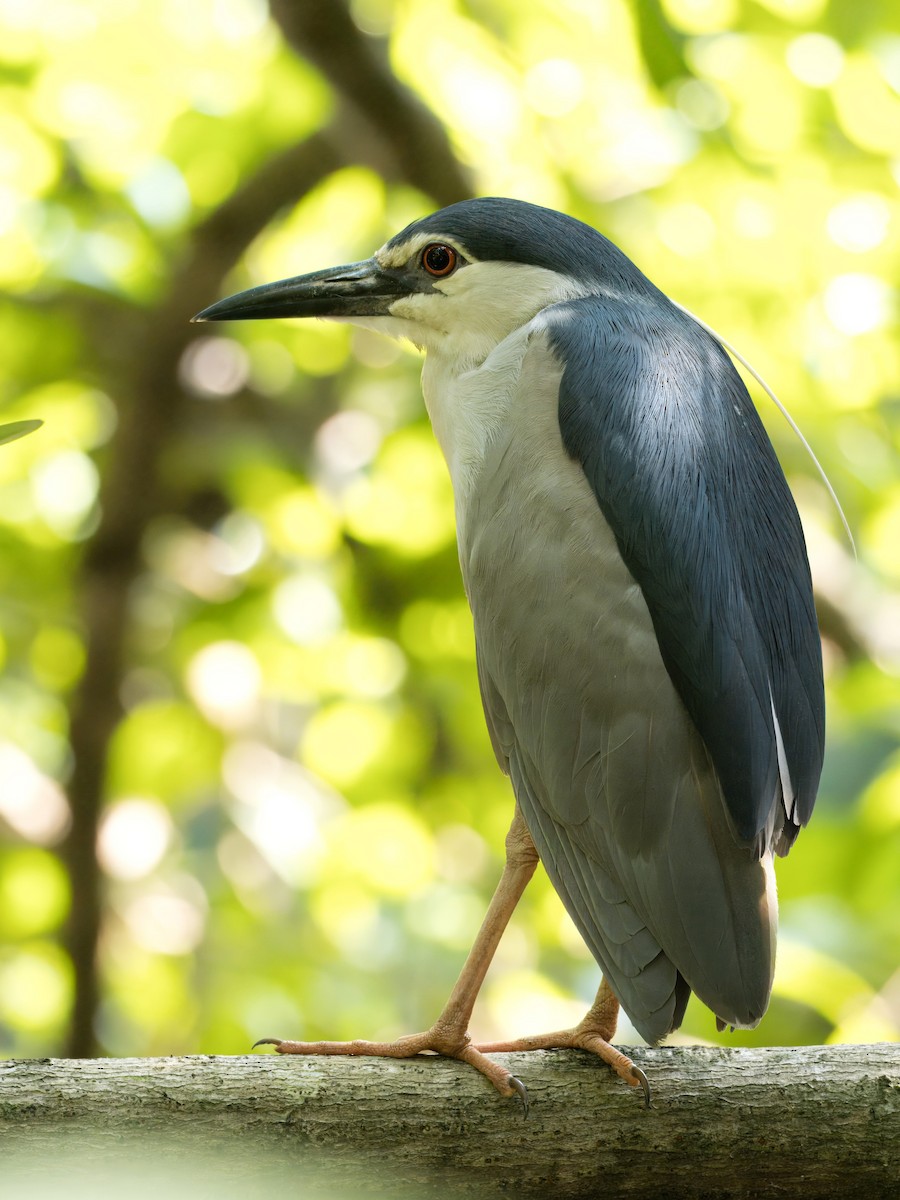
[359, 290]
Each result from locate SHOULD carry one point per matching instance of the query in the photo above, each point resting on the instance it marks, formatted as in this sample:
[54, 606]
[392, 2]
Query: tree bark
[806, 1122]
[151, 401]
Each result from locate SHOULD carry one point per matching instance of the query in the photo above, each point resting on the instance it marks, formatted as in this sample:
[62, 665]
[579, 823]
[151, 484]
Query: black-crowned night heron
[648, 653]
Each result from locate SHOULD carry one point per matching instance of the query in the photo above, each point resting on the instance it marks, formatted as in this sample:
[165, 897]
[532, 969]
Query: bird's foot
[593, 1034]
[440, 1039]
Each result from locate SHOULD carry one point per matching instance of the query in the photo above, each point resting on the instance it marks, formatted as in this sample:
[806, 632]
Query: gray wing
[648, 985]
[677, 457]
[618, 788]
[626, 813]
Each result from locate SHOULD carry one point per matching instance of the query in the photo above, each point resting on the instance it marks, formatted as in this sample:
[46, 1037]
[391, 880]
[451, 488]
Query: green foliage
[13, 430]
[304, 819]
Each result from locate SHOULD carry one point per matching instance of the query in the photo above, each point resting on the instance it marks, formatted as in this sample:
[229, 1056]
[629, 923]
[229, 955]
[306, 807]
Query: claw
[266, 1042]
[521, 1091]
[645, 1084]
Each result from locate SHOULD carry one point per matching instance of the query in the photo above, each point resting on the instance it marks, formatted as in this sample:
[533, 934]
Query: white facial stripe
[399, 256]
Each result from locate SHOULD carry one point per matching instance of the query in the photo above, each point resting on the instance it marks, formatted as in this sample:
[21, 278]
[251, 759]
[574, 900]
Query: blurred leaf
[661, 46]
[14, 430]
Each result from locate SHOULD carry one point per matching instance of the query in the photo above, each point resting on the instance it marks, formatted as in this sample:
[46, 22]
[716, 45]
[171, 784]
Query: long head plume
[784, 412]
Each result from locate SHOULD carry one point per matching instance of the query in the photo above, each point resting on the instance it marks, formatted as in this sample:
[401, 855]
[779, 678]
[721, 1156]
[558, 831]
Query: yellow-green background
[304, 818]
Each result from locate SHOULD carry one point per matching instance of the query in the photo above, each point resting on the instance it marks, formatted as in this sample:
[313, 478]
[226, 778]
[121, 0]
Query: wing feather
[682, 469]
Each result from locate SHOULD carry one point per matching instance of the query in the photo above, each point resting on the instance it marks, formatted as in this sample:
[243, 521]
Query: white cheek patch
[509, 292]
[471, 311]
[485, 302]
[421, 308]
[468, 313]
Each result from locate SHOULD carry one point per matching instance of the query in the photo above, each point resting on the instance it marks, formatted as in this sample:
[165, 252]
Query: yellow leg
[449, 1034]
[594, 1032]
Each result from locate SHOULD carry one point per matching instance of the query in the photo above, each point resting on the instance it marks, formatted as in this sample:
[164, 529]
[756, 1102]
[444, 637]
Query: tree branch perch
[806, 1122]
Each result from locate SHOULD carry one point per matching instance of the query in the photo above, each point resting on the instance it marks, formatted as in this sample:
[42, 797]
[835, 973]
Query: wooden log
[820, 1121]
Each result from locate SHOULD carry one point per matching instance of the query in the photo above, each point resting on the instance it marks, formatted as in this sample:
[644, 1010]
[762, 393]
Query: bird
[647, 646]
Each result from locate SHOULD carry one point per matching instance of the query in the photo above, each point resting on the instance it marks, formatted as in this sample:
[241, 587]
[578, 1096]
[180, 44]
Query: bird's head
[457, 281]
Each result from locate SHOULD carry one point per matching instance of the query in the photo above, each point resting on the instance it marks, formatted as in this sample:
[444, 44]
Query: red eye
[438, 259]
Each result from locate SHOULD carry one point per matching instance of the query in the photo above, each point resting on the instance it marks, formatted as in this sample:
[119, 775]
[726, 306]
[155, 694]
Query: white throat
[475, 329]
[468, 406]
